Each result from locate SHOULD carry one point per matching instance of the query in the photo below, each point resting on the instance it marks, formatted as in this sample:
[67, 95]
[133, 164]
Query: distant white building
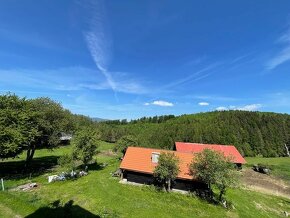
[65, 137]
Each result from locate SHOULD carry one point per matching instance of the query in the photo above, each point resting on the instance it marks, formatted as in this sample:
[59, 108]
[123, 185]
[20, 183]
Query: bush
[67, 162]
[85, 144]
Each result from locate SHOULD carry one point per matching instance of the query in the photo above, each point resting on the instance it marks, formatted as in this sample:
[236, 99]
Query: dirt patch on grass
[265, 183]
[108, 153]
[26, 187]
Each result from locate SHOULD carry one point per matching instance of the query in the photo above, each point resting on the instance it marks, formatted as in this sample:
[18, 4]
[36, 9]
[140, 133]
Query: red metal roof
[139, 160]
[227, 150]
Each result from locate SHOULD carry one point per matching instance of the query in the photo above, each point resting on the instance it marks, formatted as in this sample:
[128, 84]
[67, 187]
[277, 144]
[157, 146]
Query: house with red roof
[138, 165]
[229, 151]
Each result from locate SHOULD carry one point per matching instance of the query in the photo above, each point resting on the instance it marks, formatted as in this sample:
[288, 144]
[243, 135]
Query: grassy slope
[99, 192]
[280, 166]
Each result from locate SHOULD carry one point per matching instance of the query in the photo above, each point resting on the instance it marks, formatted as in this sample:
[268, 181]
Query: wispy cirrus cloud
[30, 38]
[98, 38]
[284, 55]
[214, 97]
[99, 43]
[64, 79]
[160, 103]
[241, 57]
[198, 75]
[49, 79]
[127, 86]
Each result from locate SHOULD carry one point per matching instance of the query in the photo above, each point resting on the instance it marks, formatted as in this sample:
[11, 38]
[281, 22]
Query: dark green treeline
[253, 133]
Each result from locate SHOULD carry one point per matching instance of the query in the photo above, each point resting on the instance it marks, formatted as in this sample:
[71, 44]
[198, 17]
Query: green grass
[280, 166]
[100, 194]
[106, 146]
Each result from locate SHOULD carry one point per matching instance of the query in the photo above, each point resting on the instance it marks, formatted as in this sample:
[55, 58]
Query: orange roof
[227, 150]
[139, 160]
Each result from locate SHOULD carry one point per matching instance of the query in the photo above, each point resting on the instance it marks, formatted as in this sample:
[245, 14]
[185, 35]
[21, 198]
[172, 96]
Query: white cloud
[284, 55]
[160, 103]
[203, 103]
[163, 103]
[221, 108]
[248, 107]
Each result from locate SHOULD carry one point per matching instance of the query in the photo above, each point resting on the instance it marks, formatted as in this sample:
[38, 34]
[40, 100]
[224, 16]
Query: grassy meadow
[280, 167]
[101, 195]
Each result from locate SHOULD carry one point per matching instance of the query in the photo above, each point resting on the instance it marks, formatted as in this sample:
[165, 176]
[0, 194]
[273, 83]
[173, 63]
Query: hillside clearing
[265, 183]
[280, 167]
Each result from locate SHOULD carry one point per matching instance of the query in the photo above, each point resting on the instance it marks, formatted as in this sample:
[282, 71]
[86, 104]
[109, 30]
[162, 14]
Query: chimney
[155, 157]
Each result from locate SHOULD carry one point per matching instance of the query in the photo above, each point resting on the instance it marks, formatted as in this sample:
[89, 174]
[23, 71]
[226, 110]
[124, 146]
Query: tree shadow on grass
[15, 169]
[96, 166]
[56, 209]
[206, 195]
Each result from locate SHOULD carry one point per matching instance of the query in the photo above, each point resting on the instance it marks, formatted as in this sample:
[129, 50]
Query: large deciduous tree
[50, 119]
[31, 124]
[167, 169]
[214, 169]
[15, 125]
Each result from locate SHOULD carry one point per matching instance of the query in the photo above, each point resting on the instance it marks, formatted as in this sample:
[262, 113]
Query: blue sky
[128, 59]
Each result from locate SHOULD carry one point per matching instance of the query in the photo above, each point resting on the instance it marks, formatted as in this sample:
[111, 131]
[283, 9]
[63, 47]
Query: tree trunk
[222, 192]
[287, 150]
[164, 187]
[169, 185]
[210, 191]
[29, 156]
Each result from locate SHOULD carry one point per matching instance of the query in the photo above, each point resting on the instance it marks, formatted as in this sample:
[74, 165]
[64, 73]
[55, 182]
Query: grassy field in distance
[280, 166]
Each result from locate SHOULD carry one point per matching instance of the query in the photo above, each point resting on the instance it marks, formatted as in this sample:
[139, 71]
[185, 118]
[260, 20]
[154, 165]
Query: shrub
[67, 162]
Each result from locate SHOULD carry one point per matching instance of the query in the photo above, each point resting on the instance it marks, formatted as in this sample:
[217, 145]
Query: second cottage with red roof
[229, 151]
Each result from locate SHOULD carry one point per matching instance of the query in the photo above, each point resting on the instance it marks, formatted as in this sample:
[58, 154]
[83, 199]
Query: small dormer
[155, 157]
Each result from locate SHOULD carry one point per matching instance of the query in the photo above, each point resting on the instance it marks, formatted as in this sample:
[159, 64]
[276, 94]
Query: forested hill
[29, 124]
[253, 133]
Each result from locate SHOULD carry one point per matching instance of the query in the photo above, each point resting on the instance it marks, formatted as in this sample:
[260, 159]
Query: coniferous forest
[253, 133]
